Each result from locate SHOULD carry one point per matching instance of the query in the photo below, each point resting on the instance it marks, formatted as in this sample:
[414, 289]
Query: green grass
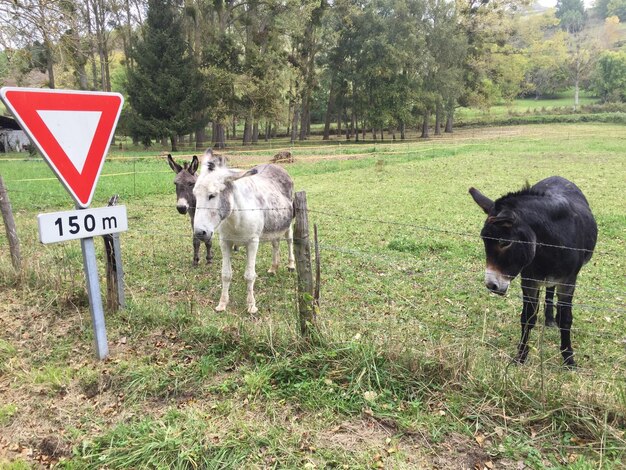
[528, 105]
[412, 357]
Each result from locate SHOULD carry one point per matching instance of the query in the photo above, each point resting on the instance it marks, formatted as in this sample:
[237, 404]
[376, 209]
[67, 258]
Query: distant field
[528, 105]
[412, 366]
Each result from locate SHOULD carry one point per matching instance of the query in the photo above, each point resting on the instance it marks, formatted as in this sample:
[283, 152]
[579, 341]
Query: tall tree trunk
[330, 107]
[438, 113]
[219, 134]
[449, 122]
[234, 134]
[200, 137]
[255, 132]
[247, 132]
[92, 47]
[49, 63]
[339, 122]
[294, 123]
[449, 115]
[304, 113]
[268, 130]
[402, 130]
[425, 129]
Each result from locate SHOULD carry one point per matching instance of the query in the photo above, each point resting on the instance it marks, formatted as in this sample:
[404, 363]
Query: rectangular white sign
[82, 223]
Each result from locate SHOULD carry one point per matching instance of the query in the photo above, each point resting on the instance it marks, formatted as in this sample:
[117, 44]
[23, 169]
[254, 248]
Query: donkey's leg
[250, 274]
[227, 274]
[209, 253]
[275, 256]
[549, 307]
[565, 293]
[530, 292]
[196, 242]
[196, 251]
[291, 266]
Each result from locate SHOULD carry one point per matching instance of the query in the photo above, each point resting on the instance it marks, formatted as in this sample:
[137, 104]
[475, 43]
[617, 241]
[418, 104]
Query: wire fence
[397, 293]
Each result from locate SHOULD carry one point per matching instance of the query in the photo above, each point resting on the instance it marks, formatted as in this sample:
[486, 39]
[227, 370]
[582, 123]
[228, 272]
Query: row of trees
[380, 65]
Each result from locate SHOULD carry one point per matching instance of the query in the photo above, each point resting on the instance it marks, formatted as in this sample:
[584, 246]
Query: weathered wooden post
[114, 271]
[9, 225]
[302, 251]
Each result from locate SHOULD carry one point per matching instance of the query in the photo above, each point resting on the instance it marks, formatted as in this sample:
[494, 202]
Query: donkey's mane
[526, 190]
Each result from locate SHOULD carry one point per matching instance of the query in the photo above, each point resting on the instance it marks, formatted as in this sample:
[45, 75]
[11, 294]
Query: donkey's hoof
[551, 324]
[291, 269]
[520, 359]
[271, 272]
[569, 363]
[220, 308]
[252, 309]
[194, 264]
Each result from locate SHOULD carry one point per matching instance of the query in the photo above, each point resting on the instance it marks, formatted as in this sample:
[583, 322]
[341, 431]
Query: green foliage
[547, 73]
[610, 76]
[571, 14]
[166, 89]
[617, 8]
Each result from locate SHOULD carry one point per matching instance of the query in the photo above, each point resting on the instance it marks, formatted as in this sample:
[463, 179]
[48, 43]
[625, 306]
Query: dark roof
[9, 123]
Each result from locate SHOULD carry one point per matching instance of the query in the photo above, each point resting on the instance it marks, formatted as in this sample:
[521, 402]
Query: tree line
[353, 67]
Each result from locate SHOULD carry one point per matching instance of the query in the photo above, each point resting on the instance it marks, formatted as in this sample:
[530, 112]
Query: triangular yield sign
[71, 129]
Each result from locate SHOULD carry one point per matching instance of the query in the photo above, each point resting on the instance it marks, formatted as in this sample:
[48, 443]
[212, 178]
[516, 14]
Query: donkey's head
[509, 243]
[185, 180]
[213, 192]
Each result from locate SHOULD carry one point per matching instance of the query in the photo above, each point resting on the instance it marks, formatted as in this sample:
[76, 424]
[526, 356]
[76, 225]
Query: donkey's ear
[193, 167]
[483, 201]
[207, 162]
[236, 175]
[173, 165]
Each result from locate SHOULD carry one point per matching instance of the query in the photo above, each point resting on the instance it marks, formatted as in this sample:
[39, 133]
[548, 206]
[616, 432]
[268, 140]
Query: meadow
[411, 364]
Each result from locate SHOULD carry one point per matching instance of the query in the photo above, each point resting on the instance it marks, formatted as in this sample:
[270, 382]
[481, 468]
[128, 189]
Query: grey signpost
[73, 130]
[95, 298]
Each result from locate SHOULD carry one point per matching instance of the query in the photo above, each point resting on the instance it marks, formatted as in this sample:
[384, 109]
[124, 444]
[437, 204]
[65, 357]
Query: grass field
[411, 368]
[564, 100]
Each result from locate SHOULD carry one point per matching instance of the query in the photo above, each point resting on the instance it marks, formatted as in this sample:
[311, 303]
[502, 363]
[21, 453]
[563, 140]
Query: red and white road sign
[71, 129]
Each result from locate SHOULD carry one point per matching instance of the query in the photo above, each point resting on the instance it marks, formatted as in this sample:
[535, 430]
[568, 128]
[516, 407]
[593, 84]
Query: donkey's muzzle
[497, 282]
[203, 235]
[182, 209]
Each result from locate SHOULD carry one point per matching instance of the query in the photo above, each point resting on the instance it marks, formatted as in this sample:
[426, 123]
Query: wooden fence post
[302, 251]
[9, 225]
[114, 272]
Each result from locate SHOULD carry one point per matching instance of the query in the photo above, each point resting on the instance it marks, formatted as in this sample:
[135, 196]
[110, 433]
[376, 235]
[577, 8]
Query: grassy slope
[527, 105]
[411, 368]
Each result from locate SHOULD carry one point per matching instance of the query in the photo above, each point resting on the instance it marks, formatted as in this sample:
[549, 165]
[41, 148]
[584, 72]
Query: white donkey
[244, 207]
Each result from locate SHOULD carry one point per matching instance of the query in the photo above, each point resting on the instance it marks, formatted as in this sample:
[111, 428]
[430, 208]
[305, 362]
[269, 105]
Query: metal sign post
[95, 299]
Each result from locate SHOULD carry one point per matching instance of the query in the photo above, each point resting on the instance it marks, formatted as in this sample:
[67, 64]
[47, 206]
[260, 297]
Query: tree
[488, 25]
[571, 14]
[548, 60]
[617, 8]
[582, 54]
[165, 87]
[601, 8]
[610, 76]
[447, 46]
[35, 24]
